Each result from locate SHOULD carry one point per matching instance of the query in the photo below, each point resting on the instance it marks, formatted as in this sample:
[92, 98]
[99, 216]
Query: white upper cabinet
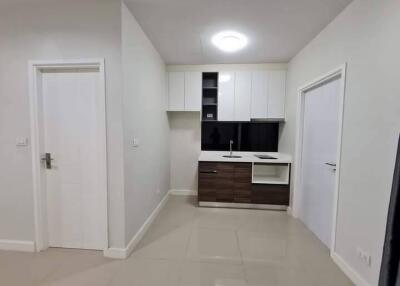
[268, 95]
[276, 94]
[226, 96]
[184, 91]
[176, 91]
[242, 96]
[259, 95]
[193, 88]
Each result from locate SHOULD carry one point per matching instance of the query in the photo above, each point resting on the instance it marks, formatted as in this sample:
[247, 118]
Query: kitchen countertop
[247, 157]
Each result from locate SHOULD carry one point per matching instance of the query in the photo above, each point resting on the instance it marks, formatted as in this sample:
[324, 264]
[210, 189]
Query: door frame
[338, 72]
[39, 186]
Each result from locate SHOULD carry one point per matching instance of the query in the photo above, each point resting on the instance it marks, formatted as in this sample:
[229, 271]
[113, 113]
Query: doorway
[318, 152]
[69, 154]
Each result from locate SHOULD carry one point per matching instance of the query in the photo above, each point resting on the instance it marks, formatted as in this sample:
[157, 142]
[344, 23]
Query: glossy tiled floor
[190, 246]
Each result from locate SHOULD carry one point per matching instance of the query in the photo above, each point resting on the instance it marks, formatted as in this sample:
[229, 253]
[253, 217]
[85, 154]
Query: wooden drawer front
[270, 194]
[207, 167]
[225, 168]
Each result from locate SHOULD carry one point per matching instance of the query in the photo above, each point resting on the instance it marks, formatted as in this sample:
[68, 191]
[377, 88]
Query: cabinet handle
[208, 172]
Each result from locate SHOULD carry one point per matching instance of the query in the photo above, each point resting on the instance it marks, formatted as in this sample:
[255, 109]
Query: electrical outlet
[22, 142]
[364, 256]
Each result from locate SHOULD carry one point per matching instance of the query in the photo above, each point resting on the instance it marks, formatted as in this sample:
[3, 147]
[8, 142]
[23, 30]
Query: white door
[176, 91]
[242, 96]
[72, 119]
[226, 96]
[193, 84]
[259, 94]
[319, 153]
[276, 94]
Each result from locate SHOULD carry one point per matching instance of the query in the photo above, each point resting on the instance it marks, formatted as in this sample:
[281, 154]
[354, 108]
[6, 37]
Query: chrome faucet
[230, 147]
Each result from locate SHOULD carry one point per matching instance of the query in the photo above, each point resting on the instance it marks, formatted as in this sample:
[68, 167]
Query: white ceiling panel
[181, 30]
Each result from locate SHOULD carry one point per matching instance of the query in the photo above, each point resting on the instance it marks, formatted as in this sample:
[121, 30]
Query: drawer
[207, 167]
[225, 168]
[270, 194]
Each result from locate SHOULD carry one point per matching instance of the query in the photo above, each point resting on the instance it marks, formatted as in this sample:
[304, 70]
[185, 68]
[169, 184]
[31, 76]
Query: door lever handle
[330, 164]
[47, 160]
[208, 172]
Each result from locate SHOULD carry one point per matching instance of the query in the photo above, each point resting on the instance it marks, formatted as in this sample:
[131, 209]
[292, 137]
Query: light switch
[135, 142]
[22, 142]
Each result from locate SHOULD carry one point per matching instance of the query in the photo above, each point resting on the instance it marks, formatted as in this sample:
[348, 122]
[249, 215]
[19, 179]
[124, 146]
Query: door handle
[208, 172]
[331, 165]
[47, 160]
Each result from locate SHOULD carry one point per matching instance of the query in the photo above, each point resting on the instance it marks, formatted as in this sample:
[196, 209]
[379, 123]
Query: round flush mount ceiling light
[229, 41]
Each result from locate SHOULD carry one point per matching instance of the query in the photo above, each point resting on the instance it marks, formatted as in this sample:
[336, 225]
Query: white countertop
[247, 157]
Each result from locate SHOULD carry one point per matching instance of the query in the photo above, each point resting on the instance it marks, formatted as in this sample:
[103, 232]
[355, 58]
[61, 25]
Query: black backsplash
[247, 136]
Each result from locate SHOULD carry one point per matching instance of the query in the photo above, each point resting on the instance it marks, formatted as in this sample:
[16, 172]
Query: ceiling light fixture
[229, 41]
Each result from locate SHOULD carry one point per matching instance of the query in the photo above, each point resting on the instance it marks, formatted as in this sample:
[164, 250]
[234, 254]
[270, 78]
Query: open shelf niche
[210, 96]
[273, 174]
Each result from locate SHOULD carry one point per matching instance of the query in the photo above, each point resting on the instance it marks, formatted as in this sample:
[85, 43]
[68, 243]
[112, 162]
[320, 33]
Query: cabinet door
[259, 94]
[242, 187]
[207, 190]
[193, 91]
[276, 94]
[270, 194]
[226, 96]
[242, 96]
[225, 182]
[176, 91]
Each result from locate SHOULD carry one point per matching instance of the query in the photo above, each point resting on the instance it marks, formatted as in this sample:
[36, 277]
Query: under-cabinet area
[245, 181]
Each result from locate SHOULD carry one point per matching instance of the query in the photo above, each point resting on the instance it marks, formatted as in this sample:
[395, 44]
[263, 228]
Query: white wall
[366, 36]
[147, 172]
[185, 142]
[49, 30]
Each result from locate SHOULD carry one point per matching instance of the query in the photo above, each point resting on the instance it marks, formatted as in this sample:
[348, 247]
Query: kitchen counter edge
[247, 157]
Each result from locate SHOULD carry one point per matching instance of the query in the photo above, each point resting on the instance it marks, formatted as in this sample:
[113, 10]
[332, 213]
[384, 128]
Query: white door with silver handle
[76, 217]
[320, 137]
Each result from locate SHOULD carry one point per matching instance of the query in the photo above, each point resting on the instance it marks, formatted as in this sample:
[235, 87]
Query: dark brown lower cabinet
[270, 194]
[231, 183]
[242, 183]
[207, 182]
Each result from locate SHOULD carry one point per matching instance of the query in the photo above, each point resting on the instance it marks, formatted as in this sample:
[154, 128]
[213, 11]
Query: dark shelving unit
[210, 96]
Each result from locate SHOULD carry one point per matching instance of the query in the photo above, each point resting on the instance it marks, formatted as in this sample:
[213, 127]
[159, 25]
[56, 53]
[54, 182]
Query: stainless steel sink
[265, 157]
[231, 156]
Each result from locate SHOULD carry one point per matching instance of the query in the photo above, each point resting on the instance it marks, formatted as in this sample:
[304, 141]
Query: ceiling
[181, 30]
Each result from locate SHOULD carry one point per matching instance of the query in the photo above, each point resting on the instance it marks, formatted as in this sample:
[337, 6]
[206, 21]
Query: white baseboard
[17, 245]
[123, 253]
[353, 275]
[115, 253]
[183, 192]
